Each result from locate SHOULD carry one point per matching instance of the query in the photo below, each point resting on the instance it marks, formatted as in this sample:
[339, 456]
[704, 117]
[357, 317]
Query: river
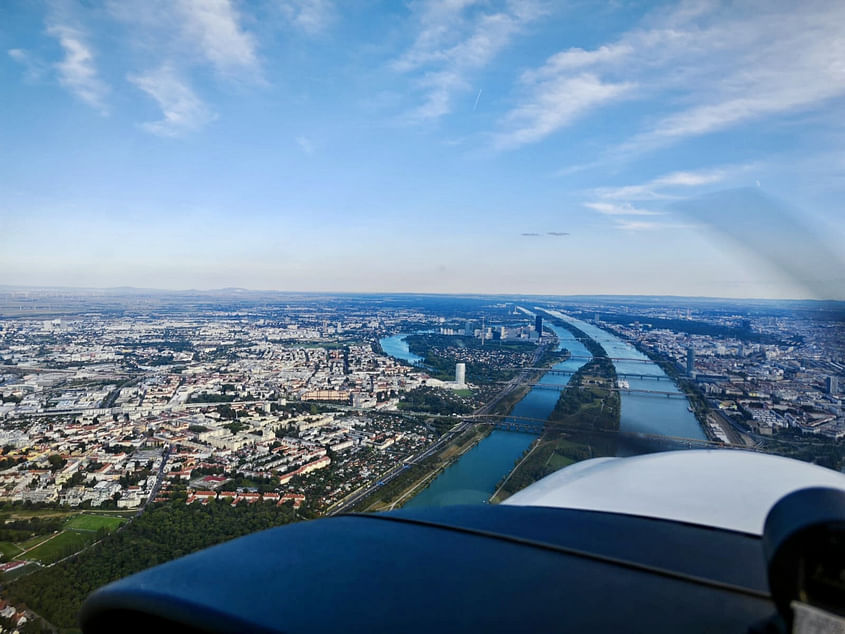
[474, 476]
[643, 413]
[472, 479]
[397, 347]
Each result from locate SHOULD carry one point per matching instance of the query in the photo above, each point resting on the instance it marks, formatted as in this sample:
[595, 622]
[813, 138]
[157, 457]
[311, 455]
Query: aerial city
[281, 279]
[121, 409]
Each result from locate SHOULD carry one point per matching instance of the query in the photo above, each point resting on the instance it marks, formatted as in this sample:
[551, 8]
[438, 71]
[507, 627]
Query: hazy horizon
[336, 293]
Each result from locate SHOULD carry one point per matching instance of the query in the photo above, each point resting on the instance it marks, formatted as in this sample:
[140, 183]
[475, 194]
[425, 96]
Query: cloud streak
[665, 187]
[620, 209]
[705, 66]
[213, 26]
[648, 225]
[555, 103]
[311, 16]
[77, 71]
[455, 40]
[182, 111]
[34, 69]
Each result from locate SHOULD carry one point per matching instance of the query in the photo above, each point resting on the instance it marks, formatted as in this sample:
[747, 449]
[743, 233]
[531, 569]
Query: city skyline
[689, 149]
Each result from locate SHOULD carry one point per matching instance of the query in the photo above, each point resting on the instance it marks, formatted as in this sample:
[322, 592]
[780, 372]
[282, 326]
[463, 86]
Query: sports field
[62, 545]
[93, 522]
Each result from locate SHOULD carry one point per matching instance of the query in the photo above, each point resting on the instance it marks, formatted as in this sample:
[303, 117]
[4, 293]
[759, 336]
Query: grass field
[34, 541]
[9, 550]
[61, 545]
[556, 461]
[25, 514]
[93, 522]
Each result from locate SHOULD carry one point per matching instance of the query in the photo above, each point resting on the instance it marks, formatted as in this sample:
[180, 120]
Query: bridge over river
[534, 425]
[651, 419]
[623, 390]
[644, 376]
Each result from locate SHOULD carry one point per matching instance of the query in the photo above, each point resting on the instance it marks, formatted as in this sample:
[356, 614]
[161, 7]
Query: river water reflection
[473, 478]
[644, 413]
[397, 347]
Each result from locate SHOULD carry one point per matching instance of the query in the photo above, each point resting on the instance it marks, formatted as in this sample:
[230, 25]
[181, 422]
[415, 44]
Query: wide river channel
[472, 479]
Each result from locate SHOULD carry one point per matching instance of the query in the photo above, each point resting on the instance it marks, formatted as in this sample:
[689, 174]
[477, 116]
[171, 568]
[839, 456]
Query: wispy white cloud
[312, 16]
[555, 103]
[576, 59]
[182, 110]
[619, 202]
[34, 69]
[213, 26]
[620, 209]
[456, 39]
[439, 24]
[190, 33]
[706, 66]
[648, 225]
[77, 71]
[180, 38]
[663, 187]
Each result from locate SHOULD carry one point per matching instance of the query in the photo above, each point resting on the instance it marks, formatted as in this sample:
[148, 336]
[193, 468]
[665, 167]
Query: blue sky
[449, 146]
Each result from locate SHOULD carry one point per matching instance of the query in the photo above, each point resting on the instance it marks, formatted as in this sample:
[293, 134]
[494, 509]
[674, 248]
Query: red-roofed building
[296, 498]
[11, 565]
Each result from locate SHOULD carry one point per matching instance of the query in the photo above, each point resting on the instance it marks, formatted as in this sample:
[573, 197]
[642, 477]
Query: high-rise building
[690, 361]
[831, 385]
[468, 328]
[460, 373]
[538, 325]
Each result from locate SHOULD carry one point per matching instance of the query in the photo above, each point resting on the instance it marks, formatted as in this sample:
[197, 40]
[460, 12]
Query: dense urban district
[137, 426]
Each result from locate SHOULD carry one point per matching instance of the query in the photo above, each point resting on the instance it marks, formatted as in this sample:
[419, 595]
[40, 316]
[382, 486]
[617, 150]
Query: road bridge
[621, 375]
[558, 387]
[537, 425]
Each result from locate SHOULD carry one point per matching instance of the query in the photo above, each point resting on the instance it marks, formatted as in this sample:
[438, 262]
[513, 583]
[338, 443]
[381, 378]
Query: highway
[159, 479]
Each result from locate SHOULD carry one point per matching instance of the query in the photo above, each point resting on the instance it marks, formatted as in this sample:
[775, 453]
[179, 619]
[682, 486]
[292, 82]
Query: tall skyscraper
[690, 361]
[538, 325]
[468, 328]
[460, 373]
